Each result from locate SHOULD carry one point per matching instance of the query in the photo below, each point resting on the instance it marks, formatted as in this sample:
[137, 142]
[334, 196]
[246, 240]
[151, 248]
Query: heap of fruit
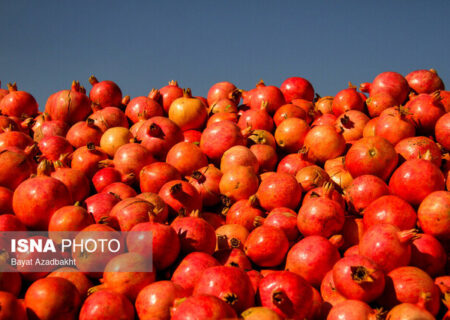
[271, 203]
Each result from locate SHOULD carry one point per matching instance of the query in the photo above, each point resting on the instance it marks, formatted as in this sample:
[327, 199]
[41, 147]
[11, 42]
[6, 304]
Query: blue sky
[44, 45]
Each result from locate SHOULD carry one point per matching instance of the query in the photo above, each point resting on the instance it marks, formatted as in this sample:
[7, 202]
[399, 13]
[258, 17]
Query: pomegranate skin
[390, 209]
[239, 183]
[330, 295]
[410, 285]
[364, 190]
[12, 308]
[266, 246]
[181, 197]
[297, 88]
[408, 311]
[428, 254]
[352, 310]
[345, 100]
[191, 269]
[107, 305]
[100, 204]
[206, 180]
[424, 81]
[195, 234]
[104, 93]
[202, 307]
[442, 129]
[18, 103]
[154, 301]
[359, 278]
[371, 155]
[219, 137]
[230, 284]
[390, 82]
[169, 93]
[143, 108]
[286, 293]
[434, 214]
[387, 246]
[244, 212]
[417, 147]
[284, 220]
[279, 190]
[322, 216]
[36, 199]
[153, 176]
[324, 143]
[425, 110]
[311, 258]
[78, 279]
[15, 167]
[415, 179]
[75, 181]
[52, 299]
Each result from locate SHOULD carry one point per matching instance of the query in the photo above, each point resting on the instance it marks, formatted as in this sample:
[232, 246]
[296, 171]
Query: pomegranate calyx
[235, 243]
[361, 274]
[12, 87]
[155, 131]
[258, 221]
[93, 80]
[260, 83]
[173, 83]
[125, 101]
[154, 94]
[187, 93]
[230, 298]
[278, 297]
[200, 177]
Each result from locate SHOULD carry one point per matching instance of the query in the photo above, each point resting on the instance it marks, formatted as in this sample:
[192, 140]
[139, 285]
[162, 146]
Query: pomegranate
[351, 124]
[104, 177]
[328, 291]
[364, 190]
[353, 310]
[371, 155]
[130, 158]
[287, 111]
[321, 216]
[441, 131]
[369, 129]
[379, 102]
[78, 279]
[290, 134]
[323, 143]
[389, 82]
[410, 285]
[206, 180]
[6, 196]
[288, 192]
[52, 298]
[69, 106]
[15, 139]
[104, 93]
[270, 94]
[244, 212]
[358, 278]
[415, 179]
[195, 234]
[109, 117]
[12, 308]
[230, 284]
[53, 147]
[390, 209]
[158, 135]
[311, 177]
[266, 156]
[417, 147]
[202, 307]
[120, 189]
[186, 157]
[408, 311]
[10, 281]
[153, 176]
[293, 162]
[192, 136]
[285, 220]
[107, 304]
[387, 246]
[223, 105]
[287, 293]
[327, 191]
[230, 236]
[222, 90]
[188, 112]
[297, 88]
[84, 132]
[219, 137]
[347, 99]
[87, 158]
[113, 138]
[18, 103]
[9, 222]
[266, 246]
[311, 258]
[169, 93]
[155, 300]
[327, 119]
[260, 313]
[425, 110]
[428, 254]
[100, 204]
[256, 119]
[222, 116]
[68, 218]
[424, 81]
[143, 108]
[191, 268]
[239, 183]
[433, 214]
[261, 137]
[180, 196]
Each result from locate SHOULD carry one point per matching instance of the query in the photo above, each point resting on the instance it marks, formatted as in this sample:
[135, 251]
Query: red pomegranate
[109, 117]
[169, 93]
[433, 214]
[129, 160]
[206, 180]
[186, 158]
[293, 162]
[415, 179]
[287, 293]
[104, 93]
[408, 311]
[107, 304]
[153, 176]
[330, 295]
[323, 143]
[387, 246]
[351, 124]
[18, 103]
[78, 279]
[191, 268]
[256, 119]
[12, 308]
[223, 105]
[390, 209]
[424, 81]
[442, 129]
[418, 147]
[297, 88]
[192, 136]
[239, 183]
[279, 190]
[291, 133]
[68, 218]
[52, 298]
[287, 111]
[379, 102]
[425, 110]
[428, 254]
[285, 220]
[6, 196]
[84, 132]
[87, 159]
[156, 299]
[222, 90]
[347, 99]
[270, 94]
[230, 236]
[100, 204]
[143, 108]
[359, 278]
[311, 258]
[371, 155]
[188, 112]
[69, 106]
[364, 190]
[244, 212]
[390, 82]
[180, 196]
[53, 147]
[394, 126]
[266, 156]
[15, 139]
[202, 307]
[104, 177]
[230, 284]
[353, 310]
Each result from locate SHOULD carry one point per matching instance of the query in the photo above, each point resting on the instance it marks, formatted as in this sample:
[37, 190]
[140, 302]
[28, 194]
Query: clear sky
[44, 45]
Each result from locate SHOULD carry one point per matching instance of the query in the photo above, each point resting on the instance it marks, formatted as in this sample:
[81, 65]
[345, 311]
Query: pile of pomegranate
[271, 203]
